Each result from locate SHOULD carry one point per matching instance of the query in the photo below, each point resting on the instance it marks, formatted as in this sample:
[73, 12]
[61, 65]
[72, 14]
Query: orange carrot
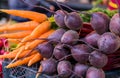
[35, 59]
[34, 43]
[12, 55]
[16, 35]
[35, 16]
[14, 40]
[30, 25]
[20, 62]
[39, 30]
[20, 51]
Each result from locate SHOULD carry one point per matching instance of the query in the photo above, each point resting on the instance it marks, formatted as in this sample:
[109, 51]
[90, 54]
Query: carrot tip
[7, 66]
[29, 64]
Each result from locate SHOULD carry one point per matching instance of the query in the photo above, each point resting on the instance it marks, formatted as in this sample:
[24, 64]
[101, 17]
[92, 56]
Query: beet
[108, 43]
[49, 66]
[115, 24]
[92, 38]
[81, 52]
[69, 37]
[60, 52]
[98, 59]
[56, 36]
[80, 69]
[73, 21]
[64, 69]
[59, 18]
[100, 22]
[45, 49]
[93, 72]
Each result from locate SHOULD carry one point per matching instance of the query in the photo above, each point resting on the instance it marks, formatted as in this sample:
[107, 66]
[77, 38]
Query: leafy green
[54, 25]
[86, 17]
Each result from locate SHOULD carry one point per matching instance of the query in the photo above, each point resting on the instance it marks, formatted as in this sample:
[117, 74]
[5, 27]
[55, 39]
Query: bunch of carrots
[25, 35]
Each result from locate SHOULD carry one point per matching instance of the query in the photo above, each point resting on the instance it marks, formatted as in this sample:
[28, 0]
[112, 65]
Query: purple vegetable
[92, 38]
[69, 37]
[100, 22]
[60, 52]
[45, 49]
[64, 69]
[59, 18]
[98, 59]
[81, 53]
[49, 66]
[108, 43]
[93, 72]
[80, 69]
[56, 36]
[115, 24]
[73, 21]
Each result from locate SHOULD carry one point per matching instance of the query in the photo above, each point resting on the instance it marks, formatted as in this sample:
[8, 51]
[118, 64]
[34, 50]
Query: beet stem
[59, 6]
[71, 55]
[81, 40]
[37, 6]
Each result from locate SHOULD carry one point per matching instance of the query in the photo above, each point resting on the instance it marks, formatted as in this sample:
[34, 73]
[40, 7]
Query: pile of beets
[80, 50]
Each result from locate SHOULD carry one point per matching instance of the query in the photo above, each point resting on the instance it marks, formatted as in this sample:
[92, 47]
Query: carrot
[14, 40]
[14, 51]
[12, 55]
[20, 62]
[39, 71]
[16, 35]
[30, 25]
[35, 59]
[34, 43]
[35, 16]
[39, 30]
[20, 51]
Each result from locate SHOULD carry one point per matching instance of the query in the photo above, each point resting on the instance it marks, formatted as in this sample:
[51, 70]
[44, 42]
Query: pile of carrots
[25, 34]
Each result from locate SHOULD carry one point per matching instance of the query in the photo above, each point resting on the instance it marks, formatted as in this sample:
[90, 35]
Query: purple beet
[100, 22]
[81, 52]
[45, 49]
[69, 37]
[115, 24]
[59, 18]
[92, 38]
[93, 72]
[49, 66]
[60, 52]
[56, 36]
[80, 69]
[108, 43]
[64, 69]
[73, 21]
[98, 59]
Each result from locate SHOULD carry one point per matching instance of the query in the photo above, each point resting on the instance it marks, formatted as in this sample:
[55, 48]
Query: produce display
[64, 45]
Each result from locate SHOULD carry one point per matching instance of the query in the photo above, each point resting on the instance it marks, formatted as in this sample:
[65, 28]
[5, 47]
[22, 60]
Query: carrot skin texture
[35, 59]
[20, 62]
[35, 16]
[16, 35]
[39, 30]
[34, 43]
[30, 25]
